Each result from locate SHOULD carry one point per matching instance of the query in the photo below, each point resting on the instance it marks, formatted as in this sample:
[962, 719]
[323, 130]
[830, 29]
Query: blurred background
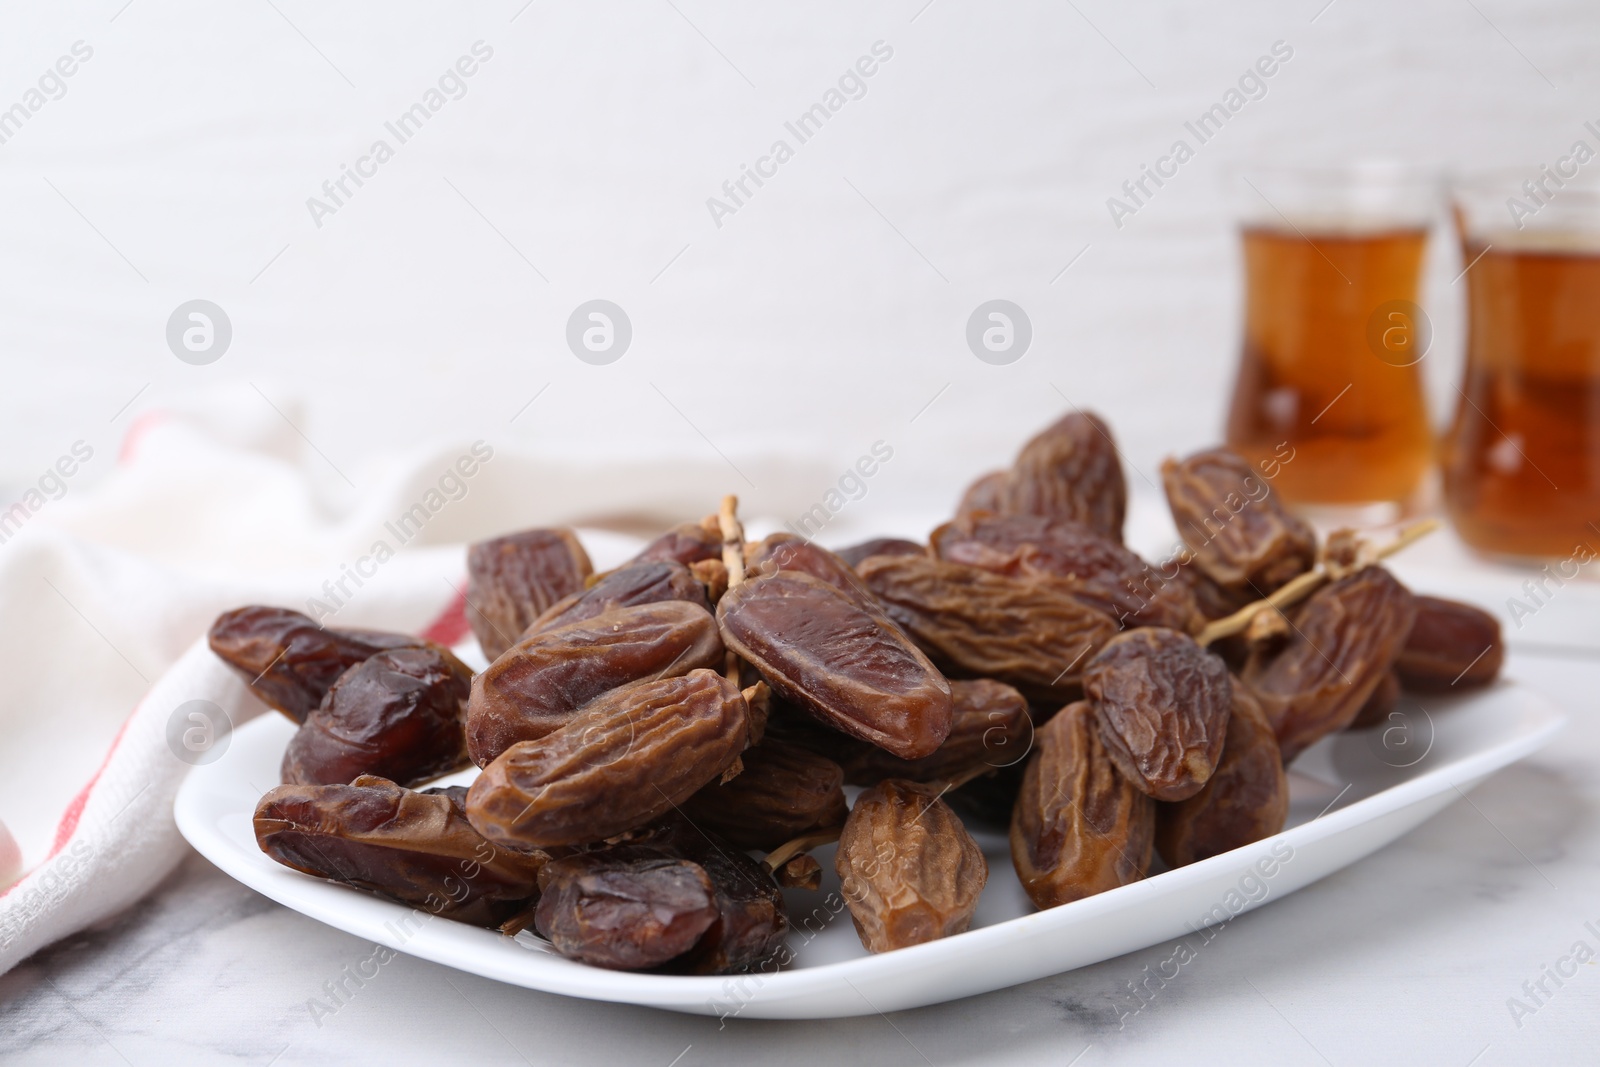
[773, 343]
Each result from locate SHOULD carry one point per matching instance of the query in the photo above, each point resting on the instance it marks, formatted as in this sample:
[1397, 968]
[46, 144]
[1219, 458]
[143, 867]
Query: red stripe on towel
[451, 625]
[70, 817]
[136, 432]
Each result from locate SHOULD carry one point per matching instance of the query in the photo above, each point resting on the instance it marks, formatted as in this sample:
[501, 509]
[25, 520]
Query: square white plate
[1351, 795]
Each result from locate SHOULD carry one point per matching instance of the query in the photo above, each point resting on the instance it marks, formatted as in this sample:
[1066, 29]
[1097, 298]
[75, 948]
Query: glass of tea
[1521, 460]
[1329, 390]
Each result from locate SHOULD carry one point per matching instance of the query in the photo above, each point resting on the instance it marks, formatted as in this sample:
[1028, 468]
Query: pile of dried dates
[645, 733]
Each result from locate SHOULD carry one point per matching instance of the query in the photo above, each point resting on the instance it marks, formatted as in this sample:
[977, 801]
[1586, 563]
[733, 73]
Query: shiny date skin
[839, 659]
[287, 660]
[648, 582]
[1451, 646]
[633, 922]
[416, 848]
[398, 714]
[537, 685]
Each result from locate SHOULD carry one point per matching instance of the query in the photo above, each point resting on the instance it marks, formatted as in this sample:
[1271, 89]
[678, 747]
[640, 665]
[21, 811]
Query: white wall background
[178, 163]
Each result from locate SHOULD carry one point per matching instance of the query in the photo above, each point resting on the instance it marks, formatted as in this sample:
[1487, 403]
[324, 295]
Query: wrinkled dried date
[398, 714]
[287, 660]
[1246, 800]
[880, 546]
[1030, 631]
[747, 929]
[624, 908]
[989, 726]
[625, 758]
[1070, 471]
[637, 583]
[1114, 580]
[1161, 702]
[986, 493]
[839, 659]
[751, 921]
[1240, 533]
[512, 580]
[908, 869]
[783, 792]
[1079, 827]
[416, 848]
[1451, 645]
[1346, 636]
[539, 683]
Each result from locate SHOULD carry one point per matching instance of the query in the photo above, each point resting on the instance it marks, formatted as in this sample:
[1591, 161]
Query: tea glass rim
[1360, 196]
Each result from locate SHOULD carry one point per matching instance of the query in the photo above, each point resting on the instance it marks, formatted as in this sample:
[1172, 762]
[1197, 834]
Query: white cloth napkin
[106, 595]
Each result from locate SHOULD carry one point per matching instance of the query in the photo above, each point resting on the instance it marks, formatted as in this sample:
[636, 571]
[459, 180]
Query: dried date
[1242, 536]
[987, 493]
[989, 726]
[398, 714]
[786, 552]
[624, 759]
[1070, 471]
[784, 791]
[1031, 631]
[1161, 703]
[1079, 827]
[537, 685]
[1114, 579]
[751, 922]
[624, 908]
[838, 659]
[511, 580]
[287, 660]
[651, 582]
[908, 869]
[880, 546]
[1346, 637]
[1451, 645]
[416, 848]
[1247, 799]
[690, 542]
[1384, 699]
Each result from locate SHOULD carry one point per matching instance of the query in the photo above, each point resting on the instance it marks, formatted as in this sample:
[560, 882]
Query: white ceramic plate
[1352, 794]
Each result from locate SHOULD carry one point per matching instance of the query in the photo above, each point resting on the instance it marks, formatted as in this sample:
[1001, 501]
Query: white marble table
[1409, 956]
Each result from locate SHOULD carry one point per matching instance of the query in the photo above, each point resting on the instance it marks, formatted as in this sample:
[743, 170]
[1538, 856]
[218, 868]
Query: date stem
[733, 560]
[732, 539]
[804, 843]
[1301, 587]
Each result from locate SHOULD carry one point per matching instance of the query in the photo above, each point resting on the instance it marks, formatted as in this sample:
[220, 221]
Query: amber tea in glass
[1521, 460]
[1328, 385]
